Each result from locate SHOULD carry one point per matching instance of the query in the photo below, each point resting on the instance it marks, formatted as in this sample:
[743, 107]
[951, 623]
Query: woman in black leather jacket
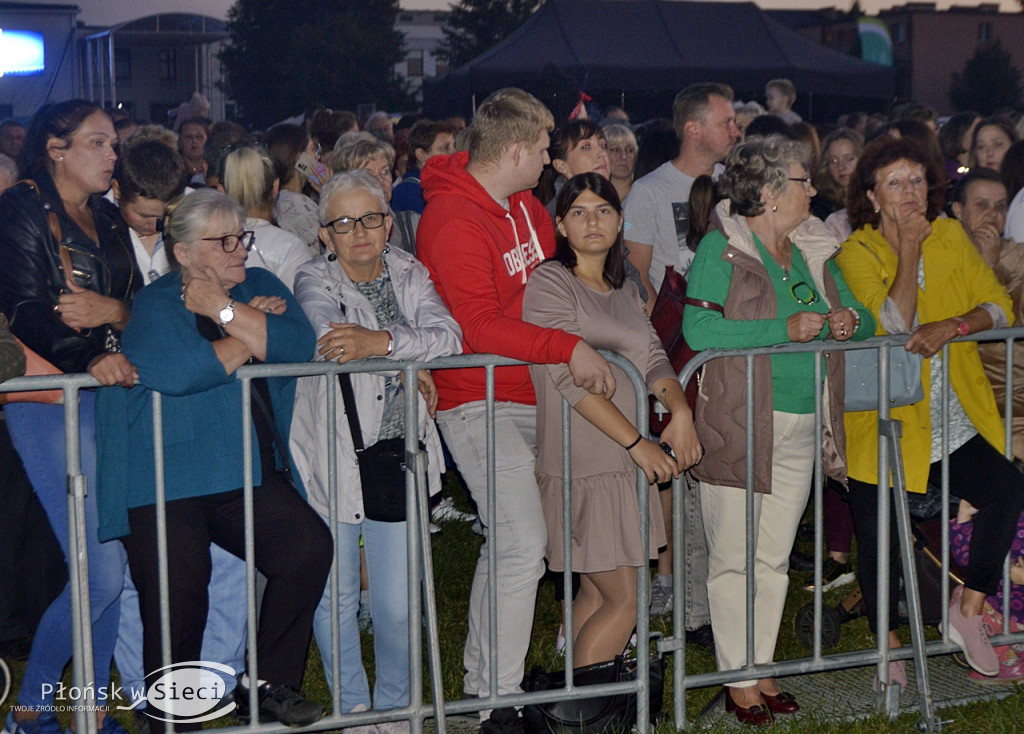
[54, 222]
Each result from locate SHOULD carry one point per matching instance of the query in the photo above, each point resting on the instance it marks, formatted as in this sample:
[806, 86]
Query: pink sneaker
[970, 634]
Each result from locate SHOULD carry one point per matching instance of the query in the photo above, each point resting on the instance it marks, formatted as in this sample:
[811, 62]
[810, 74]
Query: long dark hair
[60, 120]
[614, 265]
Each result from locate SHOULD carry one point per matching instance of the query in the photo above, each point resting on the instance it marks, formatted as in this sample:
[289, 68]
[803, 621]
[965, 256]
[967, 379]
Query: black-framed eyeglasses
[805, 180]
[803, 293]
[346, 225]
[230, 242]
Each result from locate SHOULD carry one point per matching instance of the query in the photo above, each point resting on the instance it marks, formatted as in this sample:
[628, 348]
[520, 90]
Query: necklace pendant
[785, 275]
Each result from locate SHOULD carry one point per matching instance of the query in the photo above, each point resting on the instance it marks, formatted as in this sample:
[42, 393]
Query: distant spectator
[152, 132]
[780, 95]
[326, 126]
[197, 107]
[657, 142]
[916, 111]
[125, 127]
[993, 136]
[745, 114]
[294, 210]
[425, 140]
[768, 124]
[380, 126]
[840, 152]
[615, 114]
[192, 138]
[8, 172]
[12, 138]
[456, 122]
[224, 136]
[955, 140]
[806, 134]
[622, 152]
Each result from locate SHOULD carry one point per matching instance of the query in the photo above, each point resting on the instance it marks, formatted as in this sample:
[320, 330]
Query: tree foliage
[473, 26]
[285, 56]
[989, 81]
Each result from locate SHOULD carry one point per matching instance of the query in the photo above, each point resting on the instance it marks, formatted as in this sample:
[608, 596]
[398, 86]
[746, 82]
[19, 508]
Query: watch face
[227, 313]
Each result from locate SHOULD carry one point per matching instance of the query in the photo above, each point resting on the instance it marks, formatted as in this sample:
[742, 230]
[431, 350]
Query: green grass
[455, 552]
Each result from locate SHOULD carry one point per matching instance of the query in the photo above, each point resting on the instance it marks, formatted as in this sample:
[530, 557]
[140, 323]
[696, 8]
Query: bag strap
[55, 232]
[347, 394]
[704, 304]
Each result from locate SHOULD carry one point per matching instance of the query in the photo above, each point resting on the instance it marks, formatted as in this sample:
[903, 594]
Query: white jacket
[320, 286]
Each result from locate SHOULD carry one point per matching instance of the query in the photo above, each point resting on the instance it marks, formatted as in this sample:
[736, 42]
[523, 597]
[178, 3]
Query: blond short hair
[507, 117]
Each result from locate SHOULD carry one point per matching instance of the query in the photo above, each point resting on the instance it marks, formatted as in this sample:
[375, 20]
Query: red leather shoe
[782, 703]
[754, 715]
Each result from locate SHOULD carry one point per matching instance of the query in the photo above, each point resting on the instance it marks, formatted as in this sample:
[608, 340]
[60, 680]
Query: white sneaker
[446, 511]
[661, 598]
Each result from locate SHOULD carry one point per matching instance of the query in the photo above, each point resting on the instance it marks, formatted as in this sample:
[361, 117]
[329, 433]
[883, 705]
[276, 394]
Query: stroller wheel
[804, 626]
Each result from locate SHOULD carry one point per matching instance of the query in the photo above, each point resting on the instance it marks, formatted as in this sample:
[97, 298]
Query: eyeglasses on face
[230, 242]
[346, 225]
[805, 180]
[803, 293]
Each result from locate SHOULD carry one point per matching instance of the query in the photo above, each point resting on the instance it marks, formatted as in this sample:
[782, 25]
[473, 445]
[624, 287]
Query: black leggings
[293, 550]
[977, 473]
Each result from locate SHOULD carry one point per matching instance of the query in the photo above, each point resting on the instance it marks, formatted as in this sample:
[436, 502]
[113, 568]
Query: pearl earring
[775, 207]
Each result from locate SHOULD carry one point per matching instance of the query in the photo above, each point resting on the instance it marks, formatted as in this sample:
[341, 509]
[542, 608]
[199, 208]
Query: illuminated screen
[21, 52]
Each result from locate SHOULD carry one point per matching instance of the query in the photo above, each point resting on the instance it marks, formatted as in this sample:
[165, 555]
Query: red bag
[667, 319]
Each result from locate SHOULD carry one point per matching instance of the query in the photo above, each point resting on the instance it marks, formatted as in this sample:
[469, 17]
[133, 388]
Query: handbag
[667, 319]
[36, 366]
[382, 466]
[862, 378]
[613, 713]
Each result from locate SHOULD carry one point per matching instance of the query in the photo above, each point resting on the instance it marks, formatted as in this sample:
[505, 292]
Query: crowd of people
[170, 260]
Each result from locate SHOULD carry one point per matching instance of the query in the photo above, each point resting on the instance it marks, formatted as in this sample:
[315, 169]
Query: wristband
[639, 436]
[856, 318]
[962, 327]
[391, 344]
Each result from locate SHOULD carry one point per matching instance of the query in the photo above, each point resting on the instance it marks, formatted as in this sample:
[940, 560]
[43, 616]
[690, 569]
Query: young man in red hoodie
[481, 235]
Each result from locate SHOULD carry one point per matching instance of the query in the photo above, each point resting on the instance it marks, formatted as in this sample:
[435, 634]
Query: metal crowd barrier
[887, 697]
[420, 560]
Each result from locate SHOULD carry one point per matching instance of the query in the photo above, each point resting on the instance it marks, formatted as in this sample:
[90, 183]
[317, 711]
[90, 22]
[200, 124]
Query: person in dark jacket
[67, 280]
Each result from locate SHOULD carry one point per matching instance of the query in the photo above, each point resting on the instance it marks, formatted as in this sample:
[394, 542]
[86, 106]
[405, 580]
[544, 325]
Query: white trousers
[518, 531]
[776, 518]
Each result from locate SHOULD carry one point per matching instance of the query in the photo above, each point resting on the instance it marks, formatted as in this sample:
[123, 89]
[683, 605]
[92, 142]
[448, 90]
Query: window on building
[441, 68]
[414, 64]
[984, 32]
[122, 64]
[168, 64]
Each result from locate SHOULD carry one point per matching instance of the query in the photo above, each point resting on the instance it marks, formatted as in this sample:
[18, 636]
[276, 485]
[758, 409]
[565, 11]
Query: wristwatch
[962, 327]
[226, 314]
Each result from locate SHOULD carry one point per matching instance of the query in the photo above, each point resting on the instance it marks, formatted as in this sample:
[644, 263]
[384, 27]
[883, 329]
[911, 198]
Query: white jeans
[518, 530]
[776, 518]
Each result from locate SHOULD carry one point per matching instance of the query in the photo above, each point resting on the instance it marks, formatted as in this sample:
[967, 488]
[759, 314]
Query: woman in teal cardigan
[191, 330]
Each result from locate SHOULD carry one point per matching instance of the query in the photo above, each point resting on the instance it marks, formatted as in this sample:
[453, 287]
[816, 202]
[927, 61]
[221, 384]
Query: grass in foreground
[455, 551]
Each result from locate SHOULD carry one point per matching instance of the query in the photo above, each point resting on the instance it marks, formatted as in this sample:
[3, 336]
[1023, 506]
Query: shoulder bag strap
[58, 238]
[347, 394]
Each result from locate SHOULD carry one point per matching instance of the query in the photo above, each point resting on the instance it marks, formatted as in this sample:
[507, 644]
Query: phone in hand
[312, 169]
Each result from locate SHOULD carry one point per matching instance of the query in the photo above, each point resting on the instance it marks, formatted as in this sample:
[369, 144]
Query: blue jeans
[387, 566]
[37, 432]
[223, 639]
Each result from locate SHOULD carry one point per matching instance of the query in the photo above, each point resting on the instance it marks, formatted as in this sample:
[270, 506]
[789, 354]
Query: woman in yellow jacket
[919, 274]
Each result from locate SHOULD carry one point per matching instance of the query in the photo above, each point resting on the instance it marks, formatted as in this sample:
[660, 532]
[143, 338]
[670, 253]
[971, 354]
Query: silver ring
[341, 350]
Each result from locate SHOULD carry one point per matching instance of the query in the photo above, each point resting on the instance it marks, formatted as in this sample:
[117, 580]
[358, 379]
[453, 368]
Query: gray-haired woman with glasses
[190, 332]
[366, 299]
[766, 277]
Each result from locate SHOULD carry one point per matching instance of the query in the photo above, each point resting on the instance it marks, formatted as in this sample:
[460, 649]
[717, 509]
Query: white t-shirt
[277, 250]
[1015, 218]
[656, 212]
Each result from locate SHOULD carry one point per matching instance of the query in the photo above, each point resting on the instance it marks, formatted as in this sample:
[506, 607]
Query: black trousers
[977, 473]
[293, 549]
